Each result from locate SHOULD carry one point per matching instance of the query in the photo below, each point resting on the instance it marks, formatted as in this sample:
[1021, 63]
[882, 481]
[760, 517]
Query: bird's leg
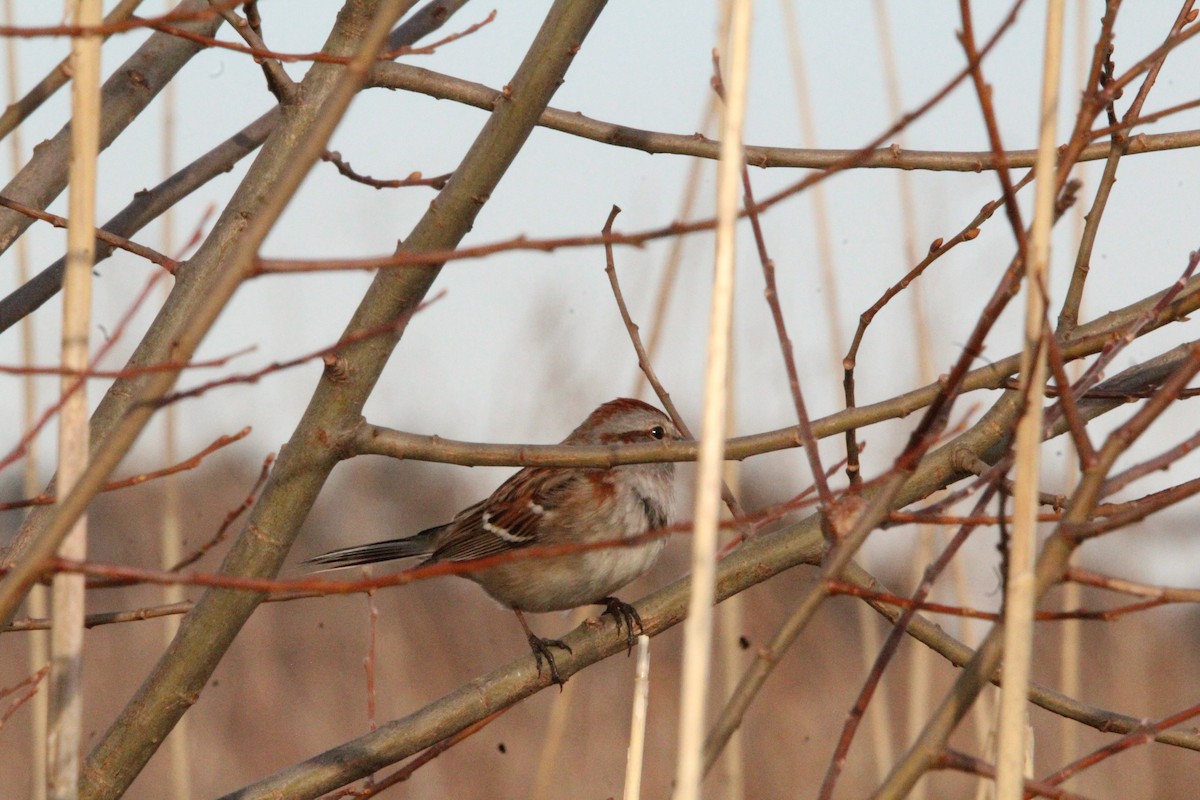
[623, 613]
[541, 649]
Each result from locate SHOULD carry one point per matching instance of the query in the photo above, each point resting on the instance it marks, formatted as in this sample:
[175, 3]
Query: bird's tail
[421, 544]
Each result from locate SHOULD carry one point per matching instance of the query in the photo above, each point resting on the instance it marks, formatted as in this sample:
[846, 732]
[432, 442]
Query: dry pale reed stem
[39, 642]
[637, 727]
[1021, 592]
[66, 635]
[698, 628]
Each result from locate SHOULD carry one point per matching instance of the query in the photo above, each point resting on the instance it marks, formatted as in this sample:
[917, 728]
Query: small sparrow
[541, 506]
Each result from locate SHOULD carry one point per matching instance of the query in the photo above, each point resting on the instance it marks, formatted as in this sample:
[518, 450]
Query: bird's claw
[625, 614]
[541, 650]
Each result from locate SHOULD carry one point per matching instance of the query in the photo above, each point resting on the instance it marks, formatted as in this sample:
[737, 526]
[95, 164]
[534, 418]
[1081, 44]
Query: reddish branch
[1096, 614]
[140, 614]
[837, 761]
[24, 690]
[961, 762]
[1128, 123]
[771, 294]
[1134, 738]
[328, 354]
[414, 179]
[1133, 588]
[107, 29]
[1122, 340]
[1085, 451]
[230, 518]
[1103, 90]
[984, 93]
[128, 372]
[262, 53]
[1137, 510]
[167, 24]
[120, 242]
[134, 480]
[129, 574]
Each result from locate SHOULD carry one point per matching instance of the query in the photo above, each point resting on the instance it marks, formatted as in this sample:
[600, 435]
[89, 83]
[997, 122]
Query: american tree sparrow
[553, 506]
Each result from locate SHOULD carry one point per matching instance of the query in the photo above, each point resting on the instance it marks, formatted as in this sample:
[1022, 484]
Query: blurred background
[521, 346]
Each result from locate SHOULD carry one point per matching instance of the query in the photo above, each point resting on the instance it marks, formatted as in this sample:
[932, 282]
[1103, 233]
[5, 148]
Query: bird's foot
[624, 614]
[541, 650]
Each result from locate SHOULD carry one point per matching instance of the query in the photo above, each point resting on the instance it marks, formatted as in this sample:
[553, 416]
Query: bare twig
[644, 363]
[230, 518]
[24, 691]
[279, 82]
[415, 179]
[1130, 740]
[785, 343]
[135, 480]
[112, 239]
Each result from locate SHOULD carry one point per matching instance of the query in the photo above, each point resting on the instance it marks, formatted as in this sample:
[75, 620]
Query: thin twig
[1130, 740]
[846, 160]
[414, 179]
[837, 761]
[785, 342]
[78, 376]
[279, 82]
[230, 518]
[136, 480]
[953, 759]
[1162, 462]
[647, 368]
[27, 688]
[119, 242]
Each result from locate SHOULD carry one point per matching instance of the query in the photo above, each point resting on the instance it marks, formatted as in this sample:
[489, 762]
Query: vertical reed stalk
[66, 637]
[1021, 590]
[697, 655]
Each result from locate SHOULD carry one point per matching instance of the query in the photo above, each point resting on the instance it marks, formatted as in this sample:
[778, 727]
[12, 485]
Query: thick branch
[446, 87]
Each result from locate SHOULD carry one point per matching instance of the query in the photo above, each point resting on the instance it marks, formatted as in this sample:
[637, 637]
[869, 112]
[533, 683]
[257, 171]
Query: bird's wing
[507, 520]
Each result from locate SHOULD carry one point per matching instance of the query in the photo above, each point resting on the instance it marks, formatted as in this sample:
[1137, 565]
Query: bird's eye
[658, 432]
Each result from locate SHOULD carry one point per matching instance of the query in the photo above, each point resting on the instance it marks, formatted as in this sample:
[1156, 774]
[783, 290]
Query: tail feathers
[419, 545]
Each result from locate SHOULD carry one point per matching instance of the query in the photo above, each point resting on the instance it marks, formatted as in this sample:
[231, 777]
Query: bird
[540, 506]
